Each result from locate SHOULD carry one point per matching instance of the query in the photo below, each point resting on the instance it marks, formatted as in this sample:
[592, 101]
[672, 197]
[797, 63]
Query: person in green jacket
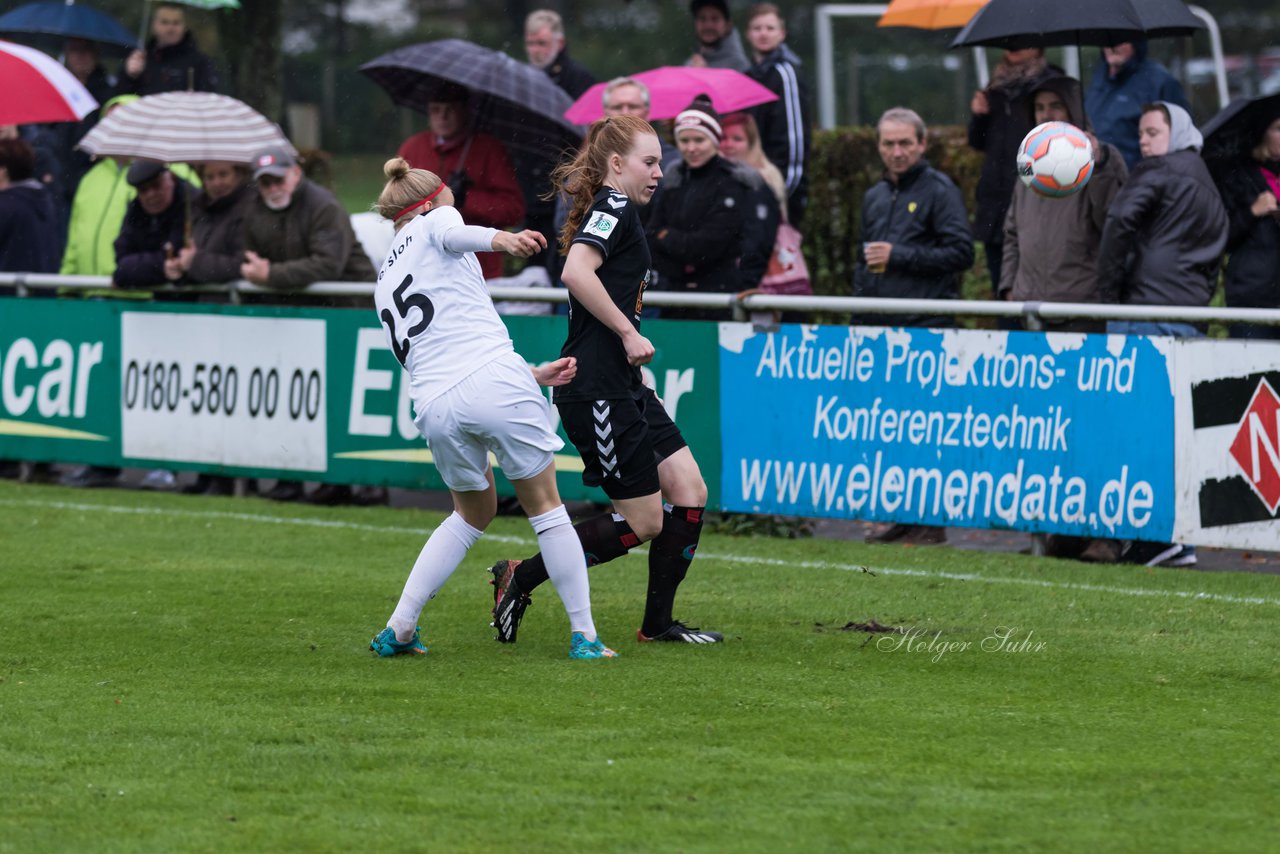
[98, 209]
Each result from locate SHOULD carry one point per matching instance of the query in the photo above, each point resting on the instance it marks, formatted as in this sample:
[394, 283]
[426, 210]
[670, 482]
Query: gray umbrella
[1013, 24]
[513, 101]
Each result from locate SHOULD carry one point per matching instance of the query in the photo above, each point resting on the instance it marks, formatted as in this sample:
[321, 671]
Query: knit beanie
[702, 117]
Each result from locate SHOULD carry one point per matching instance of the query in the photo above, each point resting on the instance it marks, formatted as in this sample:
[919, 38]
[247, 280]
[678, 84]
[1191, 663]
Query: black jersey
[613, 227]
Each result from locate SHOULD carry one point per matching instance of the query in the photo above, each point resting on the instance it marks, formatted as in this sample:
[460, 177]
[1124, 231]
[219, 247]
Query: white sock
[445, 549]
[567, 567]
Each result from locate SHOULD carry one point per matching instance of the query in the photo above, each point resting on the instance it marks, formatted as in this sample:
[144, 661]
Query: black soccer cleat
[678, 632]
[509, 601]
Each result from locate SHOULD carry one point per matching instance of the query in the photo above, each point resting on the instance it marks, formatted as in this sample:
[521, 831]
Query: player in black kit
[631, 447]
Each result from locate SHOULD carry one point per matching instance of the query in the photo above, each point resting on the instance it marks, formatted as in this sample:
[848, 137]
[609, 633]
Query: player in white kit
[472, 394]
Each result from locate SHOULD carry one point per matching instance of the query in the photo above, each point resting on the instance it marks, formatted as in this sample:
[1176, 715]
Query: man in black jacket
[154, 225]
[915, 231]
[916, 243]
[171, 62]
[784, 124]
[545, 45]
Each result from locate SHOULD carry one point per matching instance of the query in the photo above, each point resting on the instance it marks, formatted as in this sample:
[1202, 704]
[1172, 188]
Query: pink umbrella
[672, 87]
[37, 89]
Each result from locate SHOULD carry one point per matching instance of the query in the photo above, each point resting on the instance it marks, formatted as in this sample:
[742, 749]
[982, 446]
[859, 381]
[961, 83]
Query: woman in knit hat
[695, 228]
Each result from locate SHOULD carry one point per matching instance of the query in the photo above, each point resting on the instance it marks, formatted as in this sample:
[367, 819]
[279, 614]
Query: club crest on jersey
[601, 224]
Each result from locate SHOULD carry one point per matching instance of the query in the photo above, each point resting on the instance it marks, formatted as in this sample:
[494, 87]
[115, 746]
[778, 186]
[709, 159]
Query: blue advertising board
[1057, 433]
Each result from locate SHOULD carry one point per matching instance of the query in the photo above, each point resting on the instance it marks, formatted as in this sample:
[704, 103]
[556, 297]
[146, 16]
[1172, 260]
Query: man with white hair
[545, 45]
[295, 233]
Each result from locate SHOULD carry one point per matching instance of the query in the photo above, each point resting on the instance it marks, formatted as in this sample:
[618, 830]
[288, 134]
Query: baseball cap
[275, 160]
[142, 171]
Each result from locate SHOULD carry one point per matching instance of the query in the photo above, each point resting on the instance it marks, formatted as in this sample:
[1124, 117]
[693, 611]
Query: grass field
[191, 674]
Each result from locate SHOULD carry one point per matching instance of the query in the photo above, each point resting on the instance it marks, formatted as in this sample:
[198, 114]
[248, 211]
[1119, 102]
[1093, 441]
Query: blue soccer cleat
[581, 648]
[386, 645]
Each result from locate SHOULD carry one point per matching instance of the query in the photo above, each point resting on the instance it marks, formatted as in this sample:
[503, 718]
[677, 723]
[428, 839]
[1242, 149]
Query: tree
[253, 55]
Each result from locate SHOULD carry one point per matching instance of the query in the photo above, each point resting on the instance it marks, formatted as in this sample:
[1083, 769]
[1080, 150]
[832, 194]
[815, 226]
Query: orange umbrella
[930, 14]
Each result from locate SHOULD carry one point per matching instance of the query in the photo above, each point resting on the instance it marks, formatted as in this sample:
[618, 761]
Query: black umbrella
[517, 103]
[1013, 24]
[1239, 126]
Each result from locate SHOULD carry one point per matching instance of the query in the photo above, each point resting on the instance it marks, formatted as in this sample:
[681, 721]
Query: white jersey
[434, 305]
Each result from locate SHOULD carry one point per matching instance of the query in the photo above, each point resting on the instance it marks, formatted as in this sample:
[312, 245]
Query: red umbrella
[672, 87]
[37, 89]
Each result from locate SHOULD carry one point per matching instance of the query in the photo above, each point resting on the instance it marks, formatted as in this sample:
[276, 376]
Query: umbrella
[930, 14]
[671, 88]
[518, 104]
[1237, 128]
[1013, 24]
[38, 89]
[180, 127]
[67, 21]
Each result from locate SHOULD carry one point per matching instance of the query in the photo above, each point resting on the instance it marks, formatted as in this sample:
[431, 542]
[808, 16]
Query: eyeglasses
[269, 180]
[627, 107]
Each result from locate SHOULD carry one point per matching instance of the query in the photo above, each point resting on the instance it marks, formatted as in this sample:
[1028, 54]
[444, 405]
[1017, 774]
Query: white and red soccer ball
[1055, 159]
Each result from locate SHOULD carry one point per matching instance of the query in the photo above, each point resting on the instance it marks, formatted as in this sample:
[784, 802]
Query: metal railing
[1034, 315]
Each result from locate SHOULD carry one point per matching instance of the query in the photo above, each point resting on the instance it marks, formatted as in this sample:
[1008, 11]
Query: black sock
[670, 554]
[603, 539]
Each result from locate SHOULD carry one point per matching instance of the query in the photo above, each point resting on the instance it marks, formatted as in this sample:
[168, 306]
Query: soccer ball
[1055, 159]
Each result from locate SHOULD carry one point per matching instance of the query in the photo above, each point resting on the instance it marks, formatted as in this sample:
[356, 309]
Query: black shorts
[621, 442]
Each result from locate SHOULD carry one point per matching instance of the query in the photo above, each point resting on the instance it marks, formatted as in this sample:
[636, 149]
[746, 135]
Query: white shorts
[497, 408]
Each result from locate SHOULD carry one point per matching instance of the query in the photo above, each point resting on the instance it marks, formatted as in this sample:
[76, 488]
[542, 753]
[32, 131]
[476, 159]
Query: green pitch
[189, 674]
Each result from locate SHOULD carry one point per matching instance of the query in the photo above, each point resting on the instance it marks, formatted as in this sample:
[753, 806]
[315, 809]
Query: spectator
[1051, 251]
[474, 165]
[784, 123]
[1122, 83]
[1051, 245]
[766, 201]
[154, 231]
[622, 96]
[64, 163]
[28, 236]
[544, 43]
[1249, 189]
[915, 239]
[626, 96]
[1001, 118]
[154, 227]
[83, 61]
[171, 62]
[916, 244]
[296, 233]
[217, 226]
[1166, 230]
[97, 212]
[695, 229]
[1162, 244]
[719, 45]
[213, 255]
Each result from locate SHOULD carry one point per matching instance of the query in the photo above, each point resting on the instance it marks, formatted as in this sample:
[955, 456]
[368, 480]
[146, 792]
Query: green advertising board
[268, 391]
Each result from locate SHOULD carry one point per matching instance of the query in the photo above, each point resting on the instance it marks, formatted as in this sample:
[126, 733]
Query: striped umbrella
[177, 127]
[37, 89]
